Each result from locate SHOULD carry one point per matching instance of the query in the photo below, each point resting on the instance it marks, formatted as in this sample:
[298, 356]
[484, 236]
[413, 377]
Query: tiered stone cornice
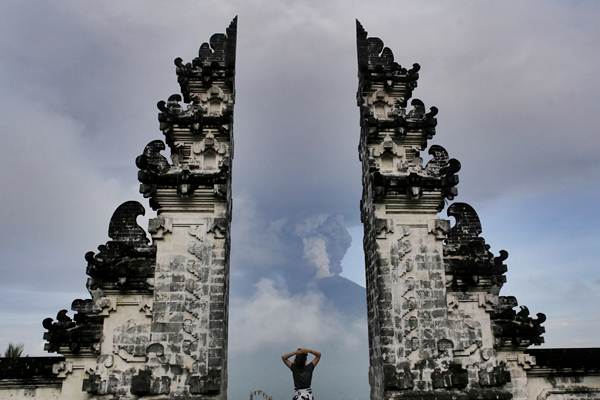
[80, 334]
[376, 66]
[516, 330]
[393, 136]
[215, 62]
[156, 173]
[436, 321]
[123, 266]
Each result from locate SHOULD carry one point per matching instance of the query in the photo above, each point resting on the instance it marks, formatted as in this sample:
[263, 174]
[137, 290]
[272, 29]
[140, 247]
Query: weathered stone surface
[156, 324]
[215, 63]
[192, 196]
[84, 331]
[516, 329]
[424, 340]
[469, 263]
[125, 263]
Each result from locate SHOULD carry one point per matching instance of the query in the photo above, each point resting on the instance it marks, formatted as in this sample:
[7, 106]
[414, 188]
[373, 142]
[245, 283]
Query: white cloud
[272, 317]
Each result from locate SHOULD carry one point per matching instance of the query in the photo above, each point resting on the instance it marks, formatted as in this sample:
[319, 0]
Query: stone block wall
[436, 321]
[156, 323]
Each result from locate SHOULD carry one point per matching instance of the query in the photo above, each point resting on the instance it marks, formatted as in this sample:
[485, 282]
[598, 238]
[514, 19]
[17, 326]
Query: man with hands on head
[302, 371]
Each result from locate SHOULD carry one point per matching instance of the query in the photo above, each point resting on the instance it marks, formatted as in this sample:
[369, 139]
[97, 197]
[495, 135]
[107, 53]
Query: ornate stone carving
[172, 112]
[516, 329]
[158, 227]
[215, 102]
[216, 60]
[425, 339]
[127, 261]
[384, 115]
[155, 172]
[131, 339]
[455, 377]
[378, 61]
[468, 259]
[416, 180]
[84, 331]
[145, 384]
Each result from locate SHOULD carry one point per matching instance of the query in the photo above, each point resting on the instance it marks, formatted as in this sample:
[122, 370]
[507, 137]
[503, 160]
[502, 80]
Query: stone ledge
[565, 361]
[24, 370]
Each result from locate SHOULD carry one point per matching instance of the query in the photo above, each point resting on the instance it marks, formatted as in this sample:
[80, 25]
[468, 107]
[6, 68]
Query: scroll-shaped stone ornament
[174, 114]
[418, 119]
[450, 179]
[123, 225]
[468, 259]
[59, 332]
[514, 329]
[417, 111]
[439, 160]
[83, 331]
[172, 107]
[151, 161]
[467, 228]
[152, 165]
[127, 261]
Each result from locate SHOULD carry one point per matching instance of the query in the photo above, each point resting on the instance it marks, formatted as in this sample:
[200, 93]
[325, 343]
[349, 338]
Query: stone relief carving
[468, 259]
[516, 328]
[127, 261]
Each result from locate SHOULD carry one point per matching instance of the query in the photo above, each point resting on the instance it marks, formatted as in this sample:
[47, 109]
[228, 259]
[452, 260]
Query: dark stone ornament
[155, 171]
[215, 61]
[173, 114]
[144, 384]
[208, 385]
[125, 263]
[496, 376]
[414, 122]
[516, 329]
[456, 377]
[84, 331]
[468, 259]
[151, 162]
[376, 64]
[438, 174]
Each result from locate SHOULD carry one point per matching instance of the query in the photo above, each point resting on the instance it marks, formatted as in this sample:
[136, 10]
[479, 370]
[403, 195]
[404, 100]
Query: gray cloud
[516, 85]
[274, 317]
[273, 321]
[326, 240]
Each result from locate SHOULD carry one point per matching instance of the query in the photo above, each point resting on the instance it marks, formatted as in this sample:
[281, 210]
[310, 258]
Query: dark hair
[300, 360]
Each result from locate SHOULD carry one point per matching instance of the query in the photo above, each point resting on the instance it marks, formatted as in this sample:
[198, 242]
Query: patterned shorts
[303, 394]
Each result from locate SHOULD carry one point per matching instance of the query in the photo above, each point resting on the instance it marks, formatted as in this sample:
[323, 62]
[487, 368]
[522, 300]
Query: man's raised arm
[315, 353]
[286, 356]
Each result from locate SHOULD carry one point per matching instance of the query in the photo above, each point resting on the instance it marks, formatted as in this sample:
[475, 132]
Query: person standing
[302, 371]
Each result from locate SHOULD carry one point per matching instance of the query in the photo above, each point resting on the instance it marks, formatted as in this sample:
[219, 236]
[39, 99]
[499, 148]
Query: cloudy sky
[516, 84]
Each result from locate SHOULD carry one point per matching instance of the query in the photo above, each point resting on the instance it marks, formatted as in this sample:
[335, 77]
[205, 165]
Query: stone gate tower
[156, 324]
[437, 327]
[192, 197]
